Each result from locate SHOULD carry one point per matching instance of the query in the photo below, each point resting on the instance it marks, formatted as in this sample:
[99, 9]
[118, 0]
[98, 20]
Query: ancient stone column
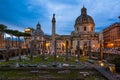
[66, 51]
[43, 50]
[55, 50]
[78, 50]
[31, 49]
[7, 49]
[89, 48]
[53, 36]
[71, 46]
[101, 50]
[19, 47]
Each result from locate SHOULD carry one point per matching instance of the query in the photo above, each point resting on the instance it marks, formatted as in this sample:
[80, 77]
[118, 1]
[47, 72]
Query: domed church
[84, 31]
[83, 36]
[84, 23]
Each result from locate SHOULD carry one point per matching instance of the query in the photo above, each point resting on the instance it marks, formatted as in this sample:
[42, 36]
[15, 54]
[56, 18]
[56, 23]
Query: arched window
[85, 28]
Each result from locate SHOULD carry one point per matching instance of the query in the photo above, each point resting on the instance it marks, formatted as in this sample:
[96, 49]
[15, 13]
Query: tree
[116, 61]
[26, 34]
[119, 17]
[2, 27]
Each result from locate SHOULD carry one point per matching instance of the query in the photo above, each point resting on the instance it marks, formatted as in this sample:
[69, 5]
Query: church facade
[83, 36]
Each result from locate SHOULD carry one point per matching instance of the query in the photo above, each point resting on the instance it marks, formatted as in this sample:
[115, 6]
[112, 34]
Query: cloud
[112, 19]
[28, 12]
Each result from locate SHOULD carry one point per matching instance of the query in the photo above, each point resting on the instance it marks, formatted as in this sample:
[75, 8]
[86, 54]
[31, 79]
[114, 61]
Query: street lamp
[47, 47]
[57, 56]
[101, 63]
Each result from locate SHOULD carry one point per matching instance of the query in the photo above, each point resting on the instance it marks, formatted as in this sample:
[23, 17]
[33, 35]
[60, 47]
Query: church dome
[38, 31]
[84, 18]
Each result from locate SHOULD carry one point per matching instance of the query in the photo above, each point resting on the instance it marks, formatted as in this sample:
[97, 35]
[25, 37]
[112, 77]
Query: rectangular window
[77, 28]
[85, 28]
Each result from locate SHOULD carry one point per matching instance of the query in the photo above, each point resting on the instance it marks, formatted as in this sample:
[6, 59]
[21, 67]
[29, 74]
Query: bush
[116, 61]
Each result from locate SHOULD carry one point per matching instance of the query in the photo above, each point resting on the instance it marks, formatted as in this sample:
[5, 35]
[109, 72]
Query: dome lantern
[83, 11]
[38, 26]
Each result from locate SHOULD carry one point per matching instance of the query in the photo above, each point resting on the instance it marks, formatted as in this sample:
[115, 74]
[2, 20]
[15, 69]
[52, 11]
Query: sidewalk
[106, 74]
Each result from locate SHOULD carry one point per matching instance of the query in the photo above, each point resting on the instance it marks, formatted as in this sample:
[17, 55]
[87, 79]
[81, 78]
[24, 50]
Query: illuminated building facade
[111, 36]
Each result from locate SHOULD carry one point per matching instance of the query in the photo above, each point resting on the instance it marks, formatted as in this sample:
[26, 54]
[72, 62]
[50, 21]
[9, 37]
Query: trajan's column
[53, 36]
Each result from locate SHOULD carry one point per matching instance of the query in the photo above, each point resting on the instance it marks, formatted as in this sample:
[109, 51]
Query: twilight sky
[20, 14]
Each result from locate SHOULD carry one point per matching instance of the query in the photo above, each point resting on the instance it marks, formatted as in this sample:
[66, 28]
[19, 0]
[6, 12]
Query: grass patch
[16, 74]
[50, 59]
[52, 73]
[83, 58]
